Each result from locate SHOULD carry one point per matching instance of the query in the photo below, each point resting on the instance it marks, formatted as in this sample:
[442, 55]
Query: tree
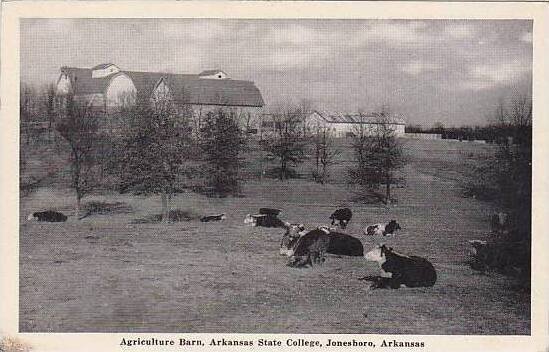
[155, 149]
[285, 143]
[221, 142]
[378, 156]
[78, 125]
[325, 154]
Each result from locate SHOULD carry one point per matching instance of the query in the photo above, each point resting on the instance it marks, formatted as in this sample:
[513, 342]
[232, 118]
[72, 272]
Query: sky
[449, 71]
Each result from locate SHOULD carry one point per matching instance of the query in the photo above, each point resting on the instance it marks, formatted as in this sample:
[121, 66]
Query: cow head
[392, 227]
[249, 219]
[31, 217]
[290, 238]
[378, 254]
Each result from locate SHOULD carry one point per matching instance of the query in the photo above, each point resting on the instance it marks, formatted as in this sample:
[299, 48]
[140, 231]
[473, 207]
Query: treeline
[505, 179]
[497, 133]
[153, 146]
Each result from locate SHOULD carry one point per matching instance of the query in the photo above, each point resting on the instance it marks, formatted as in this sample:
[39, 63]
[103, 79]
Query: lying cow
[264, 220]
[48, 216]
[398, 269]
[307, 247]
[217, 217]
[382, 229]
[341, 217]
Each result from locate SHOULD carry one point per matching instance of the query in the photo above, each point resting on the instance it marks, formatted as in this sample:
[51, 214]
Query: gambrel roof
[185, 88]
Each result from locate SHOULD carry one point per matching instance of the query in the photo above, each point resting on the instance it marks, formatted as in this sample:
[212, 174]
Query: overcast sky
[452, 71]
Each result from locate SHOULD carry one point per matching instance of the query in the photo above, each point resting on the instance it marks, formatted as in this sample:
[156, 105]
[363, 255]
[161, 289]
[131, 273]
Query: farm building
[342, 125]
[107, 87]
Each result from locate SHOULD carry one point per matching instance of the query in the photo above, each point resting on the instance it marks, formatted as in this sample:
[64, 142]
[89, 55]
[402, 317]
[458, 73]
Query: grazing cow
[305, 247]
[49, 216]
[341, 217]
[382, 229]
[217, 217]
[410, 271]
[264, 220]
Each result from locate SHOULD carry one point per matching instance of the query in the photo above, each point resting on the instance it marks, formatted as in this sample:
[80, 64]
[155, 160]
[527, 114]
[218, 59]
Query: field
[106, 273]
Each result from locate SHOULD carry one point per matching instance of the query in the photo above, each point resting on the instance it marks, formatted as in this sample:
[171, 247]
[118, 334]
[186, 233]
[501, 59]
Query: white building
[344, 125]
[107, 87]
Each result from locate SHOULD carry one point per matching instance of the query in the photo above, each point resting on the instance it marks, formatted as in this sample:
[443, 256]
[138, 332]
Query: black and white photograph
[361, 176]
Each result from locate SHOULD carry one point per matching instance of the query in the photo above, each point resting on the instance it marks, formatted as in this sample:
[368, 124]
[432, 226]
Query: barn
[107, 87]
[343, 124]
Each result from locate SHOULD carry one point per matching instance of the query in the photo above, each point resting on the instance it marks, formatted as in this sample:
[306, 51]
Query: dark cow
[270, 211]
[307, 247]
[399, 269]
[382, 229]
[341, 217]
[310, 248]
[48, 216]
[264, 220]
[217, 217]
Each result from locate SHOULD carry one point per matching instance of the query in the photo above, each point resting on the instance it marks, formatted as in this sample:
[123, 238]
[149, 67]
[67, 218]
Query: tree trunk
[165, 208]
[78, 205]
[387, 189]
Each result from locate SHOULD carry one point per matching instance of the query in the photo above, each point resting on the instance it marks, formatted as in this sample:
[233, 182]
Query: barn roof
[370, 118]
[186, 88]
[102, 66]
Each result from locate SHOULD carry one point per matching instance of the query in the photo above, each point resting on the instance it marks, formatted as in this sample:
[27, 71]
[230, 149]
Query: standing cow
[341, 217]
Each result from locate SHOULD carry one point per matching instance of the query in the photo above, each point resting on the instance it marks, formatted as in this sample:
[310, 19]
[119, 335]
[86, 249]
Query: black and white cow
[305, 247]
[217, 217]
[389, 228]
[48, 216]
[341, 217]
[398, 269]
[264, 220]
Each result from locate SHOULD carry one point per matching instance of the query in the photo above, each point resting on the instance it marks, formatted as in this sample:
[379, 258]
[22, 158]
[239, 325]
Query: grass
[107, 274]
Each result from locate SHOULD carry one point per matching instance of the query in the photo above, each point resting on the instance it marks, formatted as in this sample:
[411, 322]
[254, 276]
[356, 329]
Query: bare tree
[325, 154]
[378, 156]
[78, 125]
[285, 143]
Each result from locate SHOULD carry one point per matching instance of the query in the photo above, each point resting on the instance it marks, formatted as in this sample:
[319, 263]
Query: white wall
[63, 84]
[120, 88]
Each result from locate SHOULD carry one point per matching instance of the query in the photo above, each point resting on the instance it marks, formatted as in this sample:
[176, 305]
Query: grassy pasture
[107, 274]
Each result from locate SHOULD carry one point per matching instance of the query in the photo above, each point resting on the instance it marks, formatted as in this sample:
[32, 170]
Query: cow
[310, 248]
[399, 269]
[264, 220]
[293, 233]
[382, 229]
[48, 216]
[341, 217]
[217, 217]
[307, 247]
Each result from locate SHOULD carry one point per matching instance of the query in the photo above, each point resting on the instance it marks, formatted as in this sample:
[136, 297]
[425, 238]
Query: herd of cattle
[305, 247]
